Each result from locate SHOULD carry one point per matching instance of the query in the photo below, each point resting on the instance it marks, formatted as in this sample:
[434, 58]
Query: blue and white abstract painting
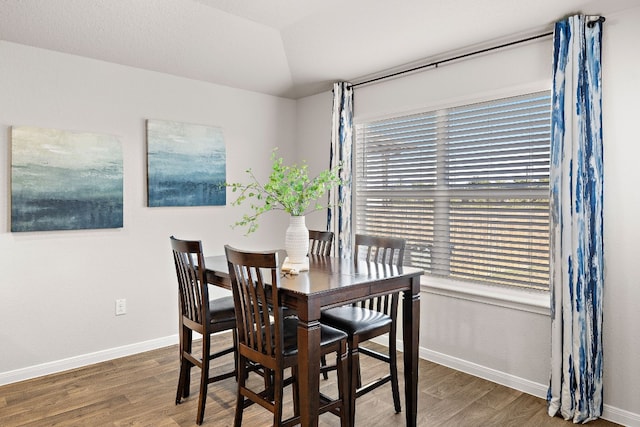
[186, 164]
[64, 180]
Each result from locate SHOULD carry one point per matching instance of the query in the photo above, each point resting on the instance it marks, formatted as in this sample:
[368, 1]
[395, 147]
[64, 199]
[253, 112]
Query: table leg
[309, 371]
[411, 332]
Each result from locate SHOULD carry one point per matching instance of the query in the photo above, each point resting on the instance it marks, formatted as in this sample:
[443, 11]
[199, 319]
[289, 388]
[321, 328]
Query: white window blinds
[468, 187]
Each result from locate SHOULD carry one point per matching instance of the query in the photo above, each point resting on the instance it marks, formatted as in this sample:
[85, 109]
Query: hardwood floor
[140, 390]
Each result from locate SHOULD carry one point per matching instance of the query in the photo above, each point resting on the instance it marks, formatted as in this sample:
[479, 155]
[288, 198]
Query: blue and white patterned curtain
[577, 260]
[339, 217]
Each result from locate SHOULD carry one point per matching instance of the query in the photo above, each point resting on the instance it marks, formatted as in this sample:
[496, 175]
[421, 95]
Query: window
[468, 187]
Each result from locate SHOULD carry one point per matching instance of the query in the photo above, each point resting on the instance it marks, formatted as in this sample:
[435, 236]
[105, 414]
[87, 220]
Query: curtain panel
[339, 212]
[576, 211]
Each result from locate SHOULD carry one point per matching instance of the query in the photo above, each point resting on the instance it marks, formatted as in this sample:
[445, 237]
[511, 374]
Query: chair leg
[235, 352]
[353, 363]
[278, 391]
[323, 363]
[180, 380]
[295, 391]
[343, 383]
[268, 383]
[393, 370]
[184, 378]
[204, 377]
[242, 378]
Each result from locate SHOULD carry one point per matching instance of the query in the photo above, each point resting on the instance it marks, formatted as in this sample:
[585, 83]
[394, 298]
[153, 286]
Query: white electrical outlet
[121, 307]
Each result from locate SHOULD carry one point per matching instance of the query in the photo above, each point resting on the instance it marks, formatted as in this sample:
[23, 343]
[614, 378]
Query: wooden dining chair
[370, 318]
[267, 338]
[320, 242]
[197, 313]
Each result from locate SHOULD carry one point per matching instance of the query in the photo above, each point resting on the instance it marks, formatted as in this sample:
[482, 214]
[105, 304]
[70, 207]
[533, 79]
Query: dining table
[331, 282]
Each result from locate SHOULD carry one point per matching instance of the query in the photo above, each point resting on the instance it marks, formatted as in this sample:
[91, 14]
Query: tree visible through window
[468, 187]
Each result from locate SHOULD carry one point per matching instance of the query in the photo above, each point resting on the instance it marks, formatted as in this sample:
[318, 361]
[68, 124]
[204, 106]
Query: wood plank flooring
[140, 390]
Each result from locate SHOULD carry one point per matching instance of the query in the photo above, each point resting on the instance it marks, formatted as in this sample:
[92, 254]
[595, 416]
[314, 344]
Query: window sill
[518, 299]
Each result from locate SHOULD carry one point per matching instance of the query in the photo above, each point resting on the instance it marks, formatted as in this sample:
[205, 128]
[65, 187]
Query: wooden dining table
[332, 282]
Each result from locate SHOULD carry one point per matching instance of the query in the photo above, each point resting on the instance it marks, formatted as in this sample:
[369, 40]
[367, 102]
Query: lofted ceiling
[288, 48]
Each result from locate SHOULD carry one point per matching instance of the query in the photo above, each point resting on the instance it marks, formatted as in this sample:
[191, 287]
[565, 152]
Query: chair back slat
[192, 288]
[320, 242]
[255, 278]
[383, 250]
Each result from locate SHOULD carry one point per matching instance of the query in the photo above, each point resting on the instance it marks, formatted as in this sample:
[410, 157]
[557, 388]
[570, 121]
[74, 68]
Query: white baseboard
[499, 377]
[609, 413]
[84, 360]
[620, 416]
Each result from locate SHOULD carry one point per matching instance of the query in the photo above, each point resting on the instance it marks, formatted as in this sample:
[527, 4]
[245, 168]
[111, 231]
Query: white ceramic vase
[296, 241]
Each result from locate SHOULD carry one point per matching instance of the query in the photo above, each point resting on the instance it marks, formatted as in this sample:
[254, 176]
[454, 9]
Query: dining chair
[198, 313]
[370, 318]
[267, 338]
[320, 242]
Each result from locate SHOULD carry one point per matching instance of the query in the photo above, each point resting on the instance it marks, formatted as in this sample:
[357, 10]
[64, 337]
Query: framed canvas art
[63, 180]
[186, 164]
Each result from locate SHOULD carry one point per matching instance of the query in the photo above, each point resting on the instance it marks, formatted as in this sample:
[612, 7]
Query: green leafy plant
[288, 188]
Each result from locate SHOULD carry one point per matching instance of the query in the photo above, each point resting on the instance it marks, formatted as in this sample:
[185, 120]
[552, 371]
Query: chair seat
[222, 310]
[328, 336]
[355, 320]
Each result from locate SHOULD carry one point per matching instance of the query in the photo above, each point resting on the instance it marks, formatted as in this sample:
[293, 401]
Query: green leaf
[288, 188]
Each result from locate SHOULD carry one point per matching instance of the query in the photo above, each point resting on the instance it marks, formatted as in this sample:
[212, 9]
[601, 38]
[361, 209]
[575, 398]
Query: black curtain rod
[436, 63]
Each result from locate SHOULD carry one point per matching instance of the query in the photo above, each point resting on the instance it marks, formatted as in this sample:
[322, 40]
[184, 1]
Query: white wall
[493, 338]
[313, 138]
[621, 111]
[57, 289]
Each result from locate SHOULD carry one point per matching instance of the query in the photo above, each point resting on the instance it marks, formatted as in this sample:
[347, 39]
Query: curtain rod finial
[596, 19]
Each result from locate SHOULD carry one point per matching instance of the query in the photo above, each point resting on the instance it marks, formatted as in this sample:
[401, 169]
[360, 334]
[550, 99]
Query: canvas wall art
[186, 164]
[63, 180]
